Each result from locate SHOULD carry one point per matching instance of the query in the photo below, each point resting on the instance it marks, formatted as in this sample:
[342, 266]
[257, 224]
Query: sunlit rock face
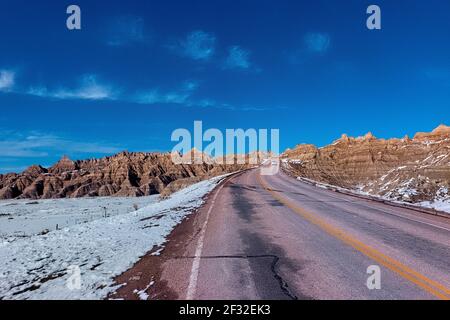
[411, 170]
[125, 174]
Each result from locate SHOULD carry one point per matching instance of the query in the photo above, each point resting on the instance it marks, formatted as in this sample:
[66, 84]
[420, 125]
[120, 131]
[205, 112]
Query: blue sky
[140, 69]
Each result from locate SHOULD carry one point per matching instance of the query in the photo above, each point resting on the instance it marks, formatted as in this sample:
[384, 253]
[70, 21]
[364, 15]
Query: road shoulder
[163, 273]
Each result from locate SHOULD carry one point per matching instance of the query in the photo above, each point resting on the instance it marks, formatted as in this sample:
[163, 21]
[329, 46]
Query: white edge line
[198, 251]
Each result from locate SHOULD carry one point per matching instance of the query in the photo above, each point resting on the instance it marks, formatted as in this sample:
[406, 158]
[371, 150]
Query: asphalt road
[273, 237]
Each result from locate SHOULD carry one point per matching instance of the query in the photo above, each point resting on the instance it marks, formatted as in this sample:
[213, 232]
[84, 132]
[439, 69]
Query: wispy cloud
[89, 88]
[126, 30]
[157, 97]
[190, 85]
[317, 42]
[238, 58]
[210, 103]
[39, 145]
[179, 96]
[198, 45]
[7, 80]
[184, 96]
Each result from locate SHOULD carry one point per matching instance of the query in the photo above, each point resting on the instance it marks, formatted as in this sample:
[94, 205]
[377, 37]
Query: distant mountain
[411, 170]
[124, 174]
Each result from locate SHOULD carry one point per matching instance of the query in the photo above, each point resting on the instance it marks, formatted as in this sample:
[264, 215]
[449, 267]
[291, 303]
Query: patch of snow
[142, 294]
[437, 205]
[39, 266]
[442, 194]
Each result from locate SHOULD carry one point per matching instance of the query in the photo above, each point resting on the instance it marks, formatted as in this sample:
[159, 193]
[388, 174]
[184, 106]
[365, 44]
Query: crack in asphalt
[275, 259]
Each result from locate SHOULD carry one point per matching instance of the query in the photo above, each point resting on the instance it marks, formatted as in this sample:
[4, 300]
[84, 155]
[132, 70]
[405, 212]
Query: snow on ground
[442, 201]
[142, 294]
[23, 218]
[46, 266]
[440, 205]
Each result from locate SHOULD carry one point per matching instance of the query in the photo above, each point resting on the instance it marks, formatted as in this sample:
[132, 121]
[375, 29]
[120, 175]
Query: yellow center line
[430, 286]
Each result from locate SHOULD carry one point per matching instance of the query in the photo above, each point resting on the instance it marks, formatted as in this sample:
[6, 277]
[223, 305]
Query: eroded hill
[125, 174]
[411, 170]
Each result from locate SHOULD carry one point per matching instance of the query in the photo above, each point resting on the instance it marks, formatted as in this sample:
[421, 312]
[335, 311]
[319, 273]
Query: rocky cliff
[411, 170]
[125, 174]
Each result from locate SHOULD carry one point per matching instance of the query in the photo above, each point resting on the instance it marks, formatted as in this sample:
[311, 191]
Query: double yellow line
[430, 286]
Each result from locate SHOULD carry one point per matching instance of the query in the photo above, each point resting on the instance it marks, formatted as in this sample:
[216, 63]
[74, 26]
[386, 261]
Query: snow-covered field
[97, 246]
[23, 218]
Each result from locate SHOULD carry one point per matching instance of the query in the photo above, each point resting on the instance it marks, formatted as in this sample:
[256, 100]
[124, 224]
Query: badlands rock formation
[125, 174]
[411, 170]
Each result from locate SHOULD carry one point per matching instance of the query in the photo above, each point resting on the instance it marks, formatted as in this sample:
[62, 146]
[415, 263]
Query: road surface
[273, 237]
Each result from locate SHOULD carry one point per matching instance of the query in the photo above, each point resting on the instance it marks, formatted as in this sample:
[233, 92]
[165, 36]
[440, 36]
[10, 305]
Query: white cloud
[7, 80]
[317, 42]
[89, 89]
[190, 86]
[155, 97]
[184, 97]
[238, 58]
[198, 45]
[180, 96]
